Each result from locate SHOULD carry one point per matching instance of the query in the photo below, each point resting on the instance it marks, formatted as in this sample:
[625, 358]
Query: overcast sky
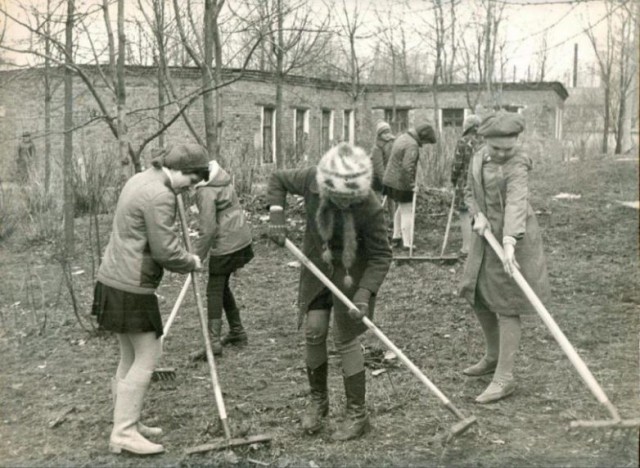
[525, 25]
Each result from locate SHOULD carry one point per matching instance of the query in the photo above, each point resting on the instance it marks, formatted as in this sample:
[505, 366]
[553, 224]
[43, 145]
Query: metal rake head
[164, 374]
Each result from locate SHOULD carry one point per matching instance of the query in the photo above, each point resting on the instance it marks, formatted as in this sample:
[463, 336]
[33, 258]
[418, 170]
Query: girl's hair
[203, 173]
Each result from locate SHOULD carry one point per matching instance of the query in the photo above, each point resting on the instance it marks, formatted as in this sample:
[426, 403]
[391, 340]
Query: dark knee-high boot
[318, 408]
[237, 334]
[356, 422]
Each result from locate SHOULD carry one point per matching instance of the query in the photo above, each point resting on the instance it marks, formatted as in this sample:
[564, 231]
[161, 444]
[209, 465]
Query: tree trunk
[47, 102]
[121, 98]
[607, 118]
[279, 79]
[68, 135]
[208, 79]
[217, 50]
[158, 7]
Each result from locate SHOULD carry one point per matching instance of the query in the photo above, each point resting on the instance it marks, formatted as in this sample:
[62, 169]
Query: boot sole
[113, 448]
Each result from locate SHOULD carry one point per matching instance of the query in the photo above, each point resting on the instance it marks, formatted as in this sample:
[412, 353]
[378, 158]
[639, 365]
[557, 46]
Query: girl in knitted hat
[346, 238]
[497, 195]
[143, 244]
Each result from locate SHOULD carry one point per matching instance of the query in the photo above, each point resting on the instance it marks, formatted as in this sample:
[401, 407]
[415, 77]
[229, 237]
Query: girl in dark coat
[346, 238]
[225, 235]
[497, 196]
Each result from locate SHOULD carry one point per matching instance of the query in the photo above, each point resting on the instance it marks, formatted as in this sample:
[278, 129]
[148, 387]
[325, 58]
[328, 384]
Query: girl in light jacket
[142, 244]
[497, 195]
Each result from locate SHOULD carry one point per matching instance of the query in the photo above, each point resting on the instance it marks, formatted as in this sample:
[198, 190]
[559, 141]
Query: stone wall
[22, 109]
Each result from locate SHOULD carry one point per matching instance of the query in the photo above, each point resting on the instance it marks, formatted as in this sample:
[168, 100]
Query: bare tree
[68, 134]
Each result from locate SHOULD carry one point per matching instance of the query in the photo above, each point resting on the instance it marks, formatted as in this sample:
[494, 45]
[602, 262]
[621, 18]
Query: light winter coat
[223, 227]
[373, 254]
[143, 241]
[499, 189]
[401, 170]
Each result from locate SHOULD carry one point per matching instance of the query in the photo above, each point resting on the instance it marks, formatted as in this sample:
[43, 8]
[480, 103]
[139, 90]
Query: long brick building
[317, 112]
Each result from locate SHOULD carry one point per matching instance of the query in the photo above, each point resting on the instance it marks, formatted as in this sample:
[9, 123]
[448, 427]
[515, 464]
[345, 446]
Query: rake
[169, 373]
[217, 390]
[457, 428]
[615, 421]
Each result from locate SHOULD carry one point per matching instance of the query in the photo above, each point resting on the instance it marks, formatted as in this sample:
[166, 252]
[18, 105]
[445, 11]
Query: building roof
[321, 83]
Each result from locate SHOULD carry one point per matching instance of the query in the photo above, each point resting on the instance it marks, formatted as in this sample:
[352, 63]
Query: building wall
[22, 109]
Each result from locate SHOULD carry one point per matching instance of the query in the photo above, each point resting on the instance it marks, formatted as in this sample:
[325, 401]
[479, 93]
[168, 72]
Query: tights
[316, 331]
[219, 296]
[139, 355]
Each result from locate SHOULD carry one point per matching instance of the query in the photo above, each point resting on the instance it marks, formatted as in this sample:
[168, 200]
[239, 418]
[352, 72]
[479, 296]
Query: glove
[509, 262]
[361, 301]
[277, 226]
[480, 223]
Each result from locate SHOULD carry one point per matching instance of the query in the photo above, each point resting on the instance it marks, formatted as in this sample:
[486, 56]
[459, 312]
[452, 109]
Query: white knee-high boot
[143, 429]
[126, 414]
[503, 383]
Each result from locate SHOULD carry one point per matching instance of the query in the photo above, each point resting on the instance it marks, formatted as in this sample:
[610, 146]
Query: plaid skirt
[124, 312]
[400, 196]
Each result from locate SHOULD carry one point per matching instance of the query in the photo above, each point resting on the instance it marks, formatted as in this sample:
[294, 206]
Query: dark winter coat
[499, 189]
[466, 147]
[380, 154]
[143, 240]
[401, 169]
[373, 255]
[222, 224]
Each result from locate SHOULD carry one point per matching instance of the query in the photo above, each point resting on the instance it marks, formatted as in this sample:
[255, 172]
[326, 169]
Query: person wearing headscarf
[225, 236]
[497, 194]
[345, 237]
[400, 178]
[380, 154]
[142, 245]
[467, 145]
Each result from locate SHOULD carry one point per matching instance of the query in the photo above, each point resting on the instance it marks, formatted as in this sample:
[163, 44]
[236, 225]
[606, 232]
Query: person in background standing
[400, 178]
[380, 154]
[26, 159]
[142, 244]
[497, 194]
[467, 145]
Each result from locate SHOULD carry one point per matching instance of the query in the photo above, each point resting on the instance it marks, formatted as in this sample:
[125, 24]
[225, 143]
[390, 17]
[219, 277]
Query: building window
[327, 130]
[268, 135]
[401, 122]
[452, 118]
[300, 132]
[348, 126]
[558, 129]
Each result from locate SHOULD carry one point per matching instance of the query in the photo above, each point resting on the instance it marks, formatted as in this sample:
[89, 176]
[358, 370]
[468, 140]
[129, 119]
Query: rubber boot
[356, 422]
[146, 431]
[465, 227]
[126, 413]
[236, 335]
[318, 408]
[215, 328]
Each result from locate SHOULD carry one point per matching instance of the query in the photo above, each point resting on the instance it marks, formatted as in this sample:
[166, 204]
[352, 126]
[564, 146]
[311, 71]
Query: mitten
[277, 226]
[361, 301]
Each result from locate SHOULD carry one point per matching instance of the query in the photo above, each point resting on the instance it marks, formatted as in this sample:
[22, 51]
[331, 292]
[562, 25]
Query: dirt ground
[55, 402]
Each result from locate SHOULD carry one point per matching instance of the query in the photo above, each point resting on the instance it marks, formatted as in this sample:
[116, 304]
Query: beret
[504, 124]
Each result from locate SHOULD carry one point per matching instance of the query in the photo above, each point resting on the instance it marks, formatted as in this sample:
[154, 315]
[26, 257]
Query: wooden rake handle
[553, 327]
[446, 231]
[217, 391]
[346, 301]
